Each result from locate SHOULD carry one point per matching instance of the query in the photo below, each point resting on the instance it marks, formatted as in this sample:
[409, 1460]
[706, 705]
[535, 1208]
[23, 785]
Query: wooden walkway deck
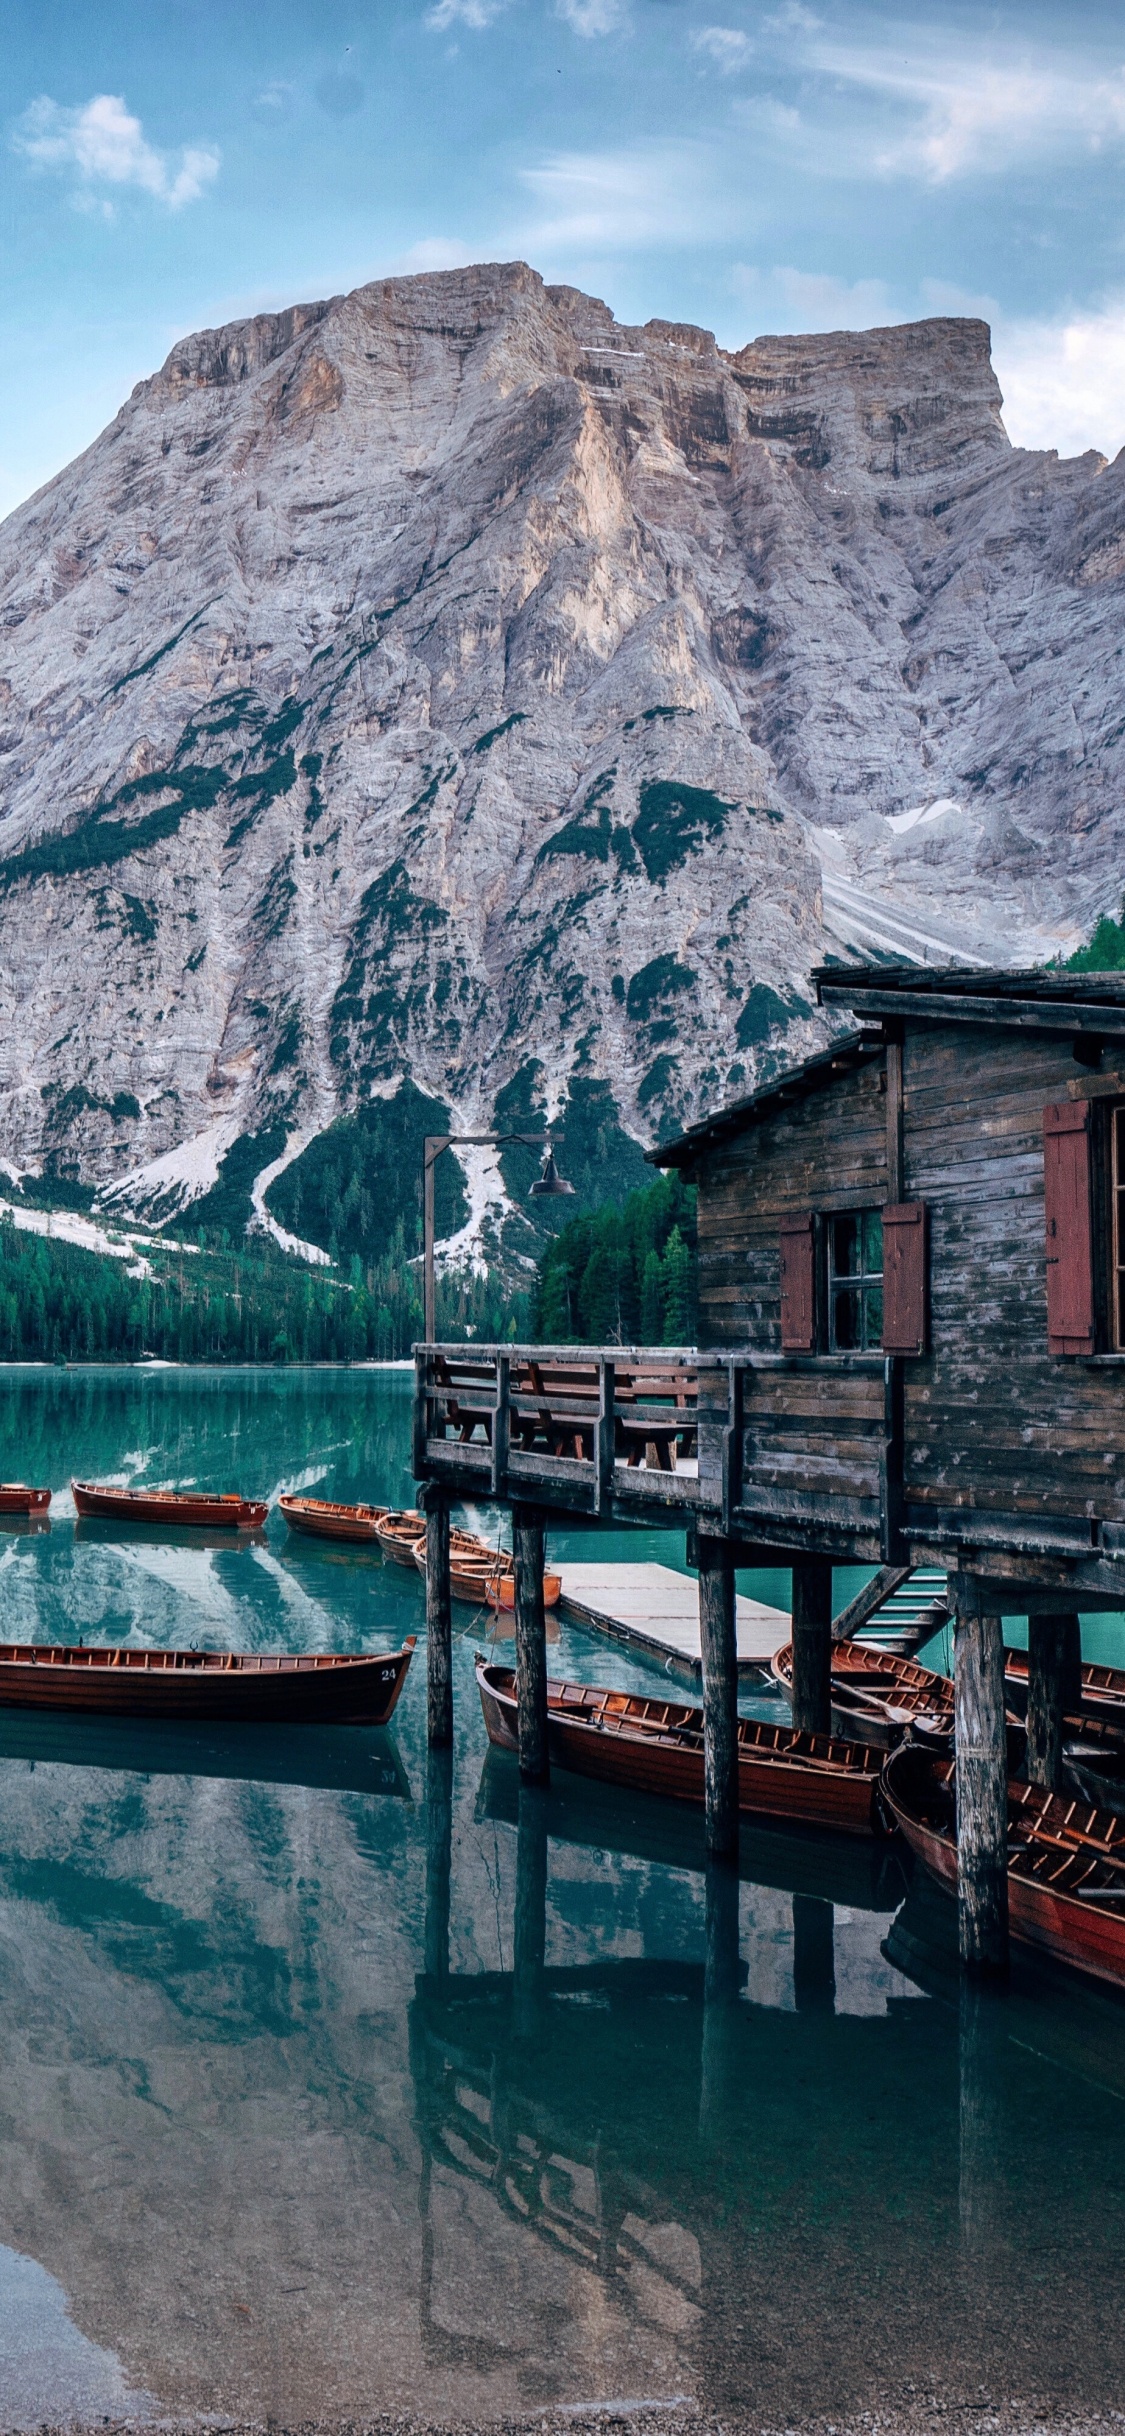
[650, 1608]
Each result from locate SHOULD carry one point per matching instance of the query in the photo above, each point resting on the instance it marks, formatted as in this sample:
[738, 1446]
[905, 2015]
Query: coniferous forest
[622, 1274]
[59, 1302]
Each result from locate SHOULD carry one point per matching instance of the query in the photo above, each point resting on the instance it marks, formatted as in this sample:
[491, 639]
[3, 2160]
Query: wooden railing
[806, 1447]
[518, 1416]
[809, 1445]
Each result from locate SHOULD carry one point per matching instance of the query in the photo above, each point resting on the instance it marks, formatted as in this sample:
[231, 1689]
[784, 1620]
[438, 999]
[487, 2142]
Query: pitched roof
[1039, 1000]
[852, 1049]
[1035, 1000]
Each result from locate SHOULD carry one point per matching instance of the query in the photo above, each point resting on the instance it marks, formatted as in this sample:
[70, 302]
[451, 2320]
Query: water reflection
[355, 1759]
[344, 2078]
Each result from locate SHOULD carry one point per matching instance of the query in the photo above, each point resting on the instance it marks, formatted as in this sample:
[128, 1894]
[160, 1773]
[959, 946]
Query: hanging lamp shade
[550, 1186]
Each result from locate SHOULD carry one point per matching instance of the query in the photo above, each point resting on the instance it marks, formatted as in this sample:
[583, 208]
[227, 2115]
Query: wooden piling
[982, 1779]
[531, 1644]
[439, 1623]
[718, 1646]
[812, 1644]
[1054, 1679]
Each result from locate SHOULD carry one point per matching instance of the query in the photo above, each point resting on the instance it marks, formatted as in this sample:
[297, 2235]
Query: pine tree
[676, 1287]
[652, 1301]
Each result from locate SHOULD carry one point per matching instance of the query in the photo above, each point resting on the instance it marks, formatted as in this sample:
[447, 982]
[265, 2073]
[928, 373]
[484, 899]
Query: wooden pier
[652, 1609]
[912, 1313]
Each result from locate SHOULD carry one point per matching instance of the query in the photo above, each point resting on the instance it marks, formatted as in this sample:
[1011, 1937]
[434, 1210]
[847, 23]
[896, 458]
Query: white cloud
[593, 17]
[103, 145]
[474, 13]
[728, 48]
[621, 199]
[1064, 380]
[978, 107]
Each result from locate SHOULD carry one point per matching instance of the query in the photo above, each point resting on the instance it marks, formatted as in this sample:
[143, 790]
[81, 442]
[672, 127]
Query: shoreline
[975, 2415]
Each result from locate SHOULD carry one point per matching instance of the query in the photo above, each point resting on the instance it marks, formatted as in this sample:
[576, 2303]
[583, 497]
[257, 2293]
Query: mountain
[444, 705]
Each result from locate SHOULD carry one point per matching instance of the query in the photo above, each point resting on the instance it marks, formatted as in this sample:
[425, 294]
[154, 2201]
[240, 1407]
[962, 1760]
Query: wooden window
[855, 1280]
[1070, 1229]
[905, 1297]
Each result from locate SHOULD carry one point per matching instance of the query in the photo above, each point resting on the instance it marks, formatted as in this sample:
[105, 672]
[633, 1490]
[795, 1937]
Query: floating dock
[650, 1608]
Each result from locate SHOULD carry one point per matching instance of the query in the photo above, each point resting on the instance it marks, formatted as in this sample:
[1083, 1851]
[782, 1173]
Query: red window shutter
[798, 1284]
[904, 1277]
[1070, 1246]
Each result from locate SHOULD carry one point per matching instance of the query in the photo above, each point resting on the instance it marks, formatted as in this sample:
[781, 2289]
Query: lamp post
[550, 1186]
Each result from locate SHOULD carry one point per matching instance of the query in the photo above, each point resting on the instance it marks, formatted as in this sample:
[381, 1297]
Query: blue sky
[166, 164]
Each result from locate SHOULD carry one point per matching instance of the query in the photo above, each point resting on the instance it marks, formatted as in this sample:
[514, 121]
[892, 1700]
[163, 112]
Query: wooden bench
[460, 1386]
[553, 1408]
[666, 1424]
[556, 1405]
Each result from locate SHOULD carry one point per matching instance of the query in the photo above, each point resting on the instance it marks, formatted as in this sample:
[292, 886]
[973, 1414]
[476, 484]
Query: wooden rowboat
[324, 1520]
[319, 1689]
[654, 1745]
[1103, 1687]
[880, 1696]
[877, 1695]
[192, 1506]
[398, 1534]
[467, 1549]
[501, 1591]
[15, 1498]
[1096, 1769]
[1066, 1860]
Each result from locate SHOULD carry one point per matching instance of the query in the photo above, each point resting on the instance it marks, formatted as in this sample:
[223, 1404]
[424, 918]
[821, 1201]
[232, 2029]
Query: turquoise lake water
[337, 2080]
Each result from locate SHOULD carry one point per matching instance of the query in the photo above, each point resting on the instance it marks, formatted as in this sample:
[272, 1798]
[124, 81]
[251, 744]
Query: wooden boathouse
[912, 1352]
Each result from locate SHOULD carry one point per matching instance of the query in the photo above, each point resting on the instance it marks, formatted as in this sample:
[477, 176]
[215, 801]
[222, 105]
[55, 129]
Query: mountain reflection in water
[340, 2078]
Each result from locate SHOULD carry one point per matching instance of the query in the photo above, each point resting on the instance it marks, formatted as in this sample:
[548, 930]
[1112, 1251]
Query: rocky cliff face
[447, 683]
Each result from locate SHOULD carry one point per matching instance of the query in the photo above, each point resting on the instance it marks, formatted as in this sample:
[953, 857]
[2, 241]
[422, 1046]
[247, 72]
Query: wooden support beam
[1054, 1682]
[719, 1652]
[982, 1778]
[531, 1644]
[439, 1623]
[812, 1644]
